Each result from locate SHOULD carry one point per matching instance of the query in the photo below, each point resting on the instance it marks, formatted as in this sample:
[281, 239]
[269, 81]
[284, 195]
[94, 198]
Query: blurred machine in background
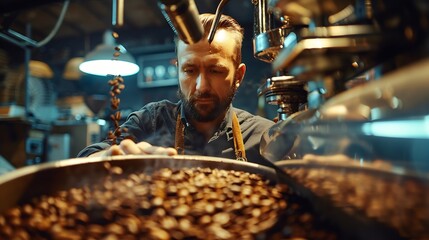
[25, 141]
[69, 138]
[349, 77]
[50, 129]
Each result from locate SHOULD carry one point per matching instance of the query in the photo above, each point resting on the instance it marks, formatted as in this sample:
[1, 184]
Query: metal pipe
[262, 19]
[18, 39]
[25, 41]
[117, 13]
[27, 58]
[216, 21]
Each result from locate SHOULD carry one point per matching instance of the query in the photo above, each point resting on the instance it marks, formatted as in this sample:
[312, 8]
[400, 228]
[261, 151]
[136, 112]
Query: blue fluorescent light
[414, 128]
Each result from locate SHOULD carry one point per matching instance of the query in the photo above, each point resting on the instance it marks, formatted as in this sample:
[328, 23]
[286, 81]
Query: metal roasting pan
[357, 223]
[23, 184]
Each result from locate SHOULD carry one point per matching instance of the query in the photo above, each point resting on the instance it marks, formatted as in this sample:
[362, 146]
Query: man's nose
[203, 83]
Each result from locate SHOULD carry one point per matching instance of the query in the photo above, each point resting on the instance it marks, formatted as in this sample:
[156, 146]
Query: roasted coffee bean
[110, 135]
[400, 202]
[165, 205]
[117, 91]
[112, 117]
[118, 116]
[113, 82]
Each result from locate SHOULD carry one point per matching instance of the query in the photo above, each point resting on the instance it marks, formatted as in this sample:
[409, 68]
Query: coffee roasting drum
[352, 164]
[153, 197]
[158, 197]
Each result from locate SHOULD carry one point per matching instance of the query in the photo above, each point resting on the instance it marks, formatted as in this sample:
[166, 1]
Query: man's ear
[239, 75]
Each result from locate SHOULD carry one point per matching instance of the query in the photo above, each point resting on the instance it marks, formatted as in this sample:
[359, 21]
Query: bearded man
[203, 122]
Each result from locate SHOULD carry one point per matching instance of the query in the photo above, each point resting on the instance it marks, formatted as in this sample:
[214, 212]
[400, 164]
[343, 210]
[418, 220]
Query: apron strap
[179, 142]
[240, 152]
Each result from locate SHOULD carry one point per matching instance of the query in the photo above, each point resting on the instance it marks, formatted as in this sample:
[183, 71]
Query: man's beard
[208, 113]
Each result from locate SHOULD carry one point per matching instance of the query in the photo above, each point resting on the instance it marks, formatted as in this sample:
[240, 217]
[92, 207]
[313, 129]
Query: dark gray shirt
[155, 123]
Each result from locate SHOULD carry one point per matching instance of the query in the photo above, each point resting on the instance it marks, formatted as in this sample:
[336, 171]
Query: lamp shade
[101, 62]
[40, 69]
[71, 70]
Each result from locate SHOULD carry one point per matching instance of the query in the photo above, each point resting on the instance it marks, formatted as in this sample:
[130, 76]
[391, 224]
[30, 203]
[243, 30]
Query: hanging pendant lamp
[102, 62]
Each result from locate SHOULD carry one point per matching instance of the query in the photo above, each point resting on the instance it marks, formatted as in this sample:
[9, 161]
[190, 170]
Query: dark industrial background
[145, 33]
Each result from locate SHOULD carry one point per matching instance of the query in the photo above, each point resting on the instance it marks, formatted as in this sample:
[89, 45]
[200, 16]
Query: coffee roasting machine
[351, 81]
[350, 77]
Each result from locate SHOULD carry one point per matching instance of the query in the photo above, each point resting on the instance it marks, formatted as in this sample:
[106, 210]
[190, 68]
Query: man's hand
[127, 147]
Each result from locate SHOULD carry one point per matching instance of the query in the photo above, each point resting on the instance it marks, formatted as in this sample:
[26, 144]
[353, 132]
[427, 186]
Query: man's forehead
[207, 60]
[222, 51]
[222, 36]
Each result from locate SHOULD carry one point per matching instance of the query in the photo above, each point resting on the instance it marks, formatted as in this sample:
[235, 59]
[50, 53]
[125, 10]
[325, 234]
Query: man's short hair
[227, 23]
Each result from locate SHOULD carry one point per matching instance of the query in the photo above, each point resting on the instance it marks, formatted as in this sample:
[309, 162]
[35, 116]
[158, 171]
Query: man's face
[208, 76]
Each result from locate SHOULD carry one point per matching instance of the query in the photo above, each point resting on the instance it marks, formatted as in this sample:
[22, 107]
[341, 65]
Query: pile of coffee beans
[190, 203]
[399, 202]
